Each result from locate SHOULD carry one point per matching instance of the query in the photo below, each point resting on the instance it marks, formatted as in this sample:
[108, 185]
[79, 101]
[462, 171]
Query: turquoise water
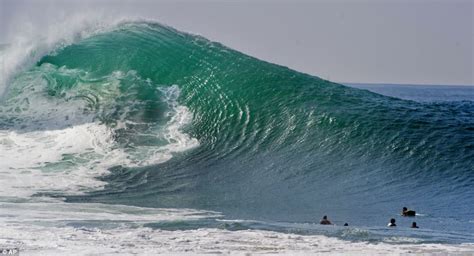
[250, 139]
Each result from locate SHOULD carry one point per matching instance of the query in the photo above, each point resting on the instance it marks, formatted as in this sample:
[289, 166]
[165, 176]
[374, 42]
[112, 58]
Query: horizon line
[410, 84]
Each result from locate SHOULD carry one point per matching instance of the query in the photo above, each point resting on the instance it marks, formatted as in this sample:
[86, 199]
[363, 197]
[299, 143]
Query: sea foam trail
[42, 161]
[56, 228]
[70, 159]
[125, 236]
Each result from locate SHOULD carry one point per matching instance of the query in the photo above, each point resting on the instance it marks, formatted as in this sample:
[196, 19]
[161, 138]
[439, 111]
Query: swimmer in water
[413, 225]
[408, 213]
[325, 221]
[391, 223]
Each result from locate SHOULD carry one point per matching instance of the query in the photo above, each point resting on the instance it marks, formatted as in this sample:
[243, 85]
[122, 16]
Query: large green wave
[273, 142]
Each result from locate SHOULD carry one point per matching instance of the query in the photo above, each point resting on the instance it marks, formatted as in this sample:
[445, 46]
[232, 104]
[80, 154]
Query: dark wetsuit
[409, 213]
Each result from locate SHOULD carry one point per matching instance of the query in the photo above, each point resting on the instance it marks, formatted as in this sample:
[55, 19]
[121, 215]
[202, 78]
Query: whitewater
[130, 137]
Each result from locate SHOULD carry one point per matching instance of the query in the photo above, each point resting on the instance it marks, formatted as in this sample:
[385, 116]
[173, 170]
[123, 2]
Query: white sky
[374, 41]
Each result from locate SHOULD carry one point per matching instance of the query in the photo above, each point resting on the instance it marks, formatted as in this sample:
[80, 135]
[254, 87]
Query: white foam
[30, 43]
[178, 141]
[82, 153]
[24, 160]
[48, 210]
[49, 227]
[57, 145]
[55, 229]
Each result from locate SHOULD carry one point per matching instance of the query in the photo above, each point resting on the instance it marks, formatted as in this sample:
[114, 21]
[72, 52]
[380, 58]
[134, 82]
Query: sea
[137, 138]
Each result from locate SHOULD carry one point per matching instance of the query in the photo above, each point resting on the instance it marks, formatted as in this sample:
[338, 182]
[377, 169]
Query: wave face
[169, 119]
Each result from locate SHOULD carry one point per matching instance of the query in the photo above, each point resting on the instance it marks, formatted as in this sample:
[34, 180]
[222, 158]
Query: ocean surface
[421, 93]
[139, 126]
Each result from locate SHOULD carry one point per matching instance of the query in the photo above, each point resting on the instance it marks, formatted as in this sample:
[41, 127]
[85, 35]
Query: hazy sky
[404, 41]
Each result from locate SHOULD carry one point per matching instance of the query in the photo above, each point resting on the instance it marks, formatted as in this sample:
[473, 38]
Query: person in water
[392, 223]
[346, 224]
[406, 212]
[325, 221]
[413, 225]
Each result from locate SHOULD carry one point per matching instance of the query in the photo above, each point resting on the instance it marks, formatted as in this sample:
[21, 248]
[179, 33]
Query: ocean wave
[142, 114]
